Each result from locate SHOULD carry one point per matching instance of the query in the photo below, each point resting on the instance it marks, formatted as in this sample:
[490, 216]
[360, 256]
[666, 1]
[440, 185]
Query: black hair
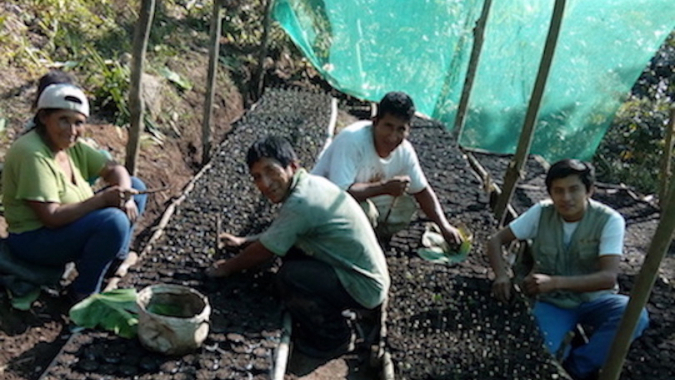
[52, 77]
[397, 104]
[568, 167]
[275, 147]
[37, 119]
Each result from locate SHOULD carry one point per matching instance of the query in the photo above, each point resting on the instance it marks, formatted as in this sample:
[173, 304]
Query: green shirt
[328, 224]
[32, 174]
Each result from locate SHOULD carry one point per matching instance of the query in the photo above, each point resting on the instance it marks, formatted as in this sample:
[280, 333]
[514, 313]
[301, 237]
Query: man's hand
[451, 236]
[501, 288]
[232, 241]
[219, 268]
[537, 283]
[397, 186]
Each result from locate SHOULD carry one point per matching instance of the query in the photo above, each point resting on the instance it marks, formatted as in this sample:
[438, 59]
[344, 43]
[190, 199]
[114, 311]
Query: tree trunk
[214, 51]
[136, 103]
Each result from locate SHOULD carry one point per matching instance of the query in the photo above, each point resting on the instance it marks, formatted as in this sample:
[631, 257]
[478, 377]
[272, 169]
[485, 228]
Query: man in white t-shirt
[374, 162]
[577, 245]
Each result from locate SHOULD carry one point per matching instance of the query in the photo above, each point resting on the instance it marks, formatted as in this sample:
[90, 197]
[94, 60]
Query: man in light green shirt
[341, 265]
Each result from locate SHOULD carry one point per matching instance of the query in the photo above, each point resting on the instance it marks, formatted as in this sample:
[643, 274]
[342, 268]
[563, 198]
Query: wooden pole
[262, 54]
[478, 33]
[136, 104]
[666, 159]
[527, 134]
[214, 51]
[643, 287]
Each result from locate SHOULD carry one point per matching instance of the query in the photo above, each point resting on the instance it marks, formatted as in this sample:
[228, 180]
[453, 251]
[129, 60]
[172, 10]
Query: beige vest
[579, 258]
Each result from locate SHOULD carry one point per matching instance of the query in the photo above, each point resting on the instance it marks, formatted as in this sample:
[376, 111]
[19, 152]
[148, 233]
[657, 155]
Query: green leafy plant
[632, 150]
[114, 311]
[110, 80]
[175, 78]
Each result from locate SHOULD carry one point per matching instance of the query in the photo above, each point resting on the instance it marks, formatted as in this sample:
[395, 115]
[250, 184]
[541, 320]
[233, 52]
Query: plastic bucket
[173, 319]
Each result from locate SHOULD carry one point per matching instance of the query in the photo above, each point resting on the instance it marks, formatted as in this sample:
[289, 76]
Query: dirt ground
[442, 321]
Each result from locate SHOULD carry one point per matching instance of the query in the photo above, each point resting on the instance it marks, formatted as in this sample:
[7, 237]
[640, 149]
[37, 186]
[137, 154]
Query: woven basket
[173, 319]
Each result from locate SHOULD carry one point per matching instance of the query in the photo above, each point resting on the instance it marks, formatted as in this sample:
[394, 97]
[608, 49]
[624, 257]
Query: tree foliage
[633, 147]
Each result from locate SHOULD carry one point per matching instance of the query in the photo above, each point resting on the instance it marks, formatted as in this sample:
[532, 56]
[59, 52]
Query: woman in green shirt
[53, 215]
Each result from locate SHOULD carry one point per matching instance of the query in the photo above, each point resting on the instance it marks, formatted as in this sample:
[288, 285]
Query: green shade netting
[366, 48]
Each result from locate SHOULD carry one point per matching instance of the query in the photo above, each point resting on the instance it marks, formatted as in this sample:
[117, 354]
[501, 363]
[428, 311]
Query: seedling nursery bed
[442, 322]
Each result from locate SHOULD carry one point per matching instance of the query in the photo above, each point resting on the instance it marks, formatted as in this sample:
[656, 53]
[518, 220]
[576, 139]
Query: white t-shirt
[611, 241]
[351, 158]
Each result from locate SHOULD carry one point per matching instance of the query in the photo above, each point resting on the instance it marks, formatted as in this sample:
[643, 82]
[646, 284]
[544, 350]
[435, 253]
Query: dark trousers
[313, 294]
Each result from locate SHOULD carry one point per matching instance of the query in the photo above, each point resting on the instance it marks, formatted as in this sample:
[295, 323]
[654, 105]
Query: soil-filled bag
[172, 319]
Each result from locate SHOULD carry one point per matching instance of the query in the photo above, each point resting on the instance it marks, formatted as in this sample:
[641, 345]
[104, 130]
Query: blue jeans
[141, 200]
[92, 242]
[602, 314]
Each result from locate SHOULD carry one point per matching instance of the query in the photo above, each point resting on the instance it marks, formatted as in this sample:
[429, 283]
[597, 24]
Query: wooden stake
[666, 159]
[478, 33]
[214, 51]
[527, 134]
[219, 230]
[136, 104]
[262, 54]
[643, 287]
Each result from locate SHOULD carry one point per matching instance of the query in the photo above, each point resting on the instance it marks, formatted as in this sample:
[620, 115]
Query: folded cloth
[437, 250]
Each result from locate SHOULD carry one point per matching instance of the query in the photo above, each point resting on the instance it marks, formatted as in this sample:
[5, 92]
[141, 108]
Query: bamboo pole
[214, 51]
[136, 103]
[643, 287]
[478, 33]
[667, 158]
[262, 54]
[527, 134]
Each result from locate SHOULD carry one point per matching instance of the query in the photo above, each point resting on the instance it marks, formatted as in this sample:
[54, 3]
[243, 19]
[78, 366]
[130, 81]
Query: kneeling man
[577, 245]
[331, 258]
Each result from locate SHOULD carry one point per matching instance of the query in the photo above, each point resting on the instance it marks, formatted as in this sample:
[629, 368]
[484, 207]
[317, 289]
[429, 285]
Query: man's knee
[550, 321]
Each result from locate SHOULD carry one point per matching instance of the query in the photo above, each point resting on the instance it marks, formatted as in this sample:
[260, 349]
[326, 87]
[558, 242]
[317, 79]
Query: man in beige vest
[576, 247]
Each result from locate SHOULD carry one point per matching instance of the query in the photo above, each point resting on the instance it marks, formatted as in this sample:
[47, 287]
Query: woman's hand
[129, 207]
[116, 196]
[112, 196]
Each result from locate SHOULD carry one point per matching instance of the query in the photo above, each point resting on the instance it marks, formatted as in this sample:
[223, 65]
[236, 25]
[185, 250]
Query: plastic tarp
[366, 48]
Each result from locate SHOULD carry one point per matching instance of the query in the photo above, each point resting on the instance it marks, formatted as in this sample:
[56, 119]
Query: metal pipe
[281, 358]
